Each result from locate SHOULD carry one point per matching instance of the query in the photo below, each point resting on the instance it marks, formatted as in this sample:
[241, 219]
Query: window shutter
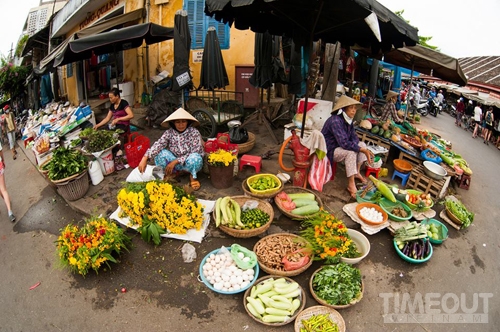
[199, 24]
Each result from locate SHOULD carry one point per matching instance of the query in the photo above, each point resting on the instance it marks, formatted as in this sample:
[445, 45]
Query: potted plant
[67, 169]
[221, 166]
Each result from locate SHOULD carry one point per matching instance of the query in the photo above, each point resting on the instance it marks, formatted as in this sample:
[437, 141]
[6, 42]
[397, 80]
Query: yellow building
[91, 77]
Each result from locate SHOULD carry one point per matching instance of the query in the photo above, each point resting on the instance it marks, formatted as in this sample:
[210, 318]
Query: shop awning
[60, 55]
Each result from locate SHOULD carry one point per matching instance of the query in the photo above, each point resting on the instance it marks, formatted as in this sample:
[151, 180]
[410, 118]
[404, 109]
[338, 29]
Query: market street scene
[257, 166]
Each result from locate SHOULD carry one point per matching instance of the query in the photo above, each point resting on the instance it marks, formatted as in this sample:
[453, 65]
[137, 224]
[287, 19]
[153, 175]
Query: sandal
[195, 184]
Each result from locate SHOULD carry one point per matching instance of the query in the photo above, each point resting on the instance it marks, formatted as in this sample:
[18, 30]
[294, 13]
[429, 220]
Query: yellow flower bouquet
[328, 238]
[221, 158]
[91, 245]
[159, 207]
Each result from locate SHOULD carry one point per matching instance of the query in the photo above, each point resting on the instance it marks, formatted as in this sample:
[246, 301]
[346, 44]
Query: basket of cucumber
[298, 203]
[276, 310]
[254, 216]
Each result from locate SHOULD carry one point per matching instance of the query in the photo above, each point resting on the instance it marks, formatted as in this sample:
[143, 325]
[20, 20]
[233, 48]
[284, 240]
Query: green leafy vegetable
[65, 163]
[338, 284]
[460, 211]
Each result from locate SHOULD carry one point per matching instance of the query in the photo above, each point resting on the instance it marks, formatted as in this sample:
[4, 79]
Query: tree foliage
[21, 44]
[421, 40]
[12, 79]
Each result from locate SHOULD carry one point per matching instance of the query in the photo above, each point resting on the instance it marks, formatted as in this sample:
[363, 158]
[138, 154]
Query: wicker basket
[75, 188]
[302, 298]
[245, 233]
[296, 190]
[283, 273]
[335, 316]
[247, 191]
[248, 145]
[323, 302]
[453, 217]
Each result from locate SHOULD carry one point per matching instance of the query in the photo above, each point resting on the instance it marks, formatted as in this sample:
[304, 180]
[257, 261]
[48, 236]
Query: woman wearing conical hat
[180, 148]
[389, 109]
[343, 143]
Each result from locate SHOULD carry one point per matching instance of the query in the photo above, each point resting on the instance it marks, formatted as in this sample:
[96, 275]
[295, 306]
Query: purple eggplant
[405, 249]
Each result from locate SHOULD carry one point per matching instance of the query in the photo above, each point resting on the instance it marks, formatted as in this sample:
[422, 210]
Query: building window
[199, 24]
[69, 70]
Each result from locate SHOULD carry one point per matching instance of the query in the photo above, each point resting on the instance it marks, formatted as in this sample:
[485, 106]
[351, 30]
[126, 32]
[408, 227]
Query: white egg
[250, 272]
[225, 277]
[231, 289]
[212, 262]
[227, 284]
[236, 287]
[224, 289]
[217, 258]
[232, 279]
[216, 273]
[222, 258]
[218, 279]
[218, 286]
[217, 266]
[232, 268]
[212, 256]
[238, 272]
[241, 255]
[244, 284]
[239, 280]
[205, 273]
[244, 277]
[246, 259]
[210, 272]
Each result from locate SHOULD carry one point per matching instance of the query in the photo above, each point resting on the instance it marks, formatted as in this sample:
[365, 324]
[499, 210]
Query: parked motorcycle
[372, 107]
[453, 111]
[434, 106]
[421, 108]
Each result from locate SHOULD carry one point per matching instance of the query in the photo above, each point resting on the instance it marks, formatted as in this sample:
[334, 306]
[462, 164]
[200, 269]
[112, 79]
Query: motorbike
[453, 111]
[372, 107]
[434, 106]
[421, 108]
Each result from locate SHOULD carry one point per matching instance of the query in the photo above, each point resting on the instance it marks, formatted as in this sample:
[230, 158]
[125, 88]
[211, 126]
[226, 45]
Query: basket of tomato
[418, 201]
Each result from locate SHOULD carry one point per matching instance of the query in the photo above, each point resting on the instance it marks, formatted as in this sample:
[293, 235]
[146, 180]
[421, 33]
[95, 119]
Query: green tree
[20, 45]
[12, 79]
[421, 40]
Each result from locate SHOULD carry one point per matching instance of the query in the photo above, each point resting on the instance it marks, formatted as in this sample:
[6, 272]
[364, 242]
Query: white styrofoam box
[319, 111]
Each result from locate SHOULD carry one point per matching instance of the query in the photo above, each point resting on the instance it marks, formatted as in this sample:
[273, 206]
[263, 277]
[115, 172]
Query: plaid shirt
[389, 110]
[338, 133]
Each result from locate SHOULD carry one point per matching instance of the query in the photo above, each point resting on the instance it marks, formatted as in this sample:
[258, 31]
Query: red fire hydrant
[301, 161]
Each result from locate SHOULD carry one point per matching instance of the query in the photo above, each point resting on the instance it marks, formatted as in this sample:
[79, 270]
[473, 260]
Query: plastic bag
[245, 259]
[295, 260]
[250, 205]
[238, 135]
[136, 176]
[188, 253]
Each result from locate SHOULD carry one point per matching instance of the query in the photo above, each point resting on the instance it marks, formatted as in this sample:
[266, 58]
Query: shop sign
[197, 56]
[183, 79]
[109, 5]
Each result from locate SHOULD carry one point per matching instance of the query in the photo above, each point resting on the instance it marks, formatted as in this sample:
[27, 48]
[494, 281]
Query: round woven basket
[296, 190]
[305, 314]
[334, 306]
[453, 217]
[245, 233]
[43, 171]
[248, 145]
[282, 239]
[302, 298]
[247, 191]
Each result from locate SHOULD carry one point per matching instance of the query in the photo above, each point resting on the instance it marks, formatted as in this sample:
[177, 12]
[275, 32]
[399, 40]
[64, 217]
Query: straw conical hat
[345, 101]
[180, 114]
[391, 94]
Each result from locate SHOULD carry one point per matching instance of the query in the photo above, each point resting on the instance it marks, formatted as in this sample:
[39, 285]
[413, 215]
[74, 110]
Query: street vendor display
[180, 148]
[343, 143]
[120, 113]
[298, 203]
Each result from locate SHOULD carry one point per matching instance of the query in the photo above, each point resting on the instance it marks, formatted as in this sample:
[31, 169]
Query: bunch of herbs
[100, 140]
[338, 284]
[65, 163]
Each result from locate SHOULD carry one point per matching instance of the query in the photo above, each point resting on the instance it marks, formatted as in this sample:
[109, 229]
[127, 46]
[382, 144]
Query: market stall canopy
[118, 40]
[40, 39]
[483, 98]
[60, 55]
[330, 21]
[427, 61]
[461, 91]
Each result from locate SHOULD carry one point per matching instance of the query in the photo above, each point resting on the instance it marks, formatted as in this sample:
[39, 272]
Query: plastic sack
[188, 253]
[250, 205]
[295, 260]
[238, 135]
[245, 259]
[151, 173]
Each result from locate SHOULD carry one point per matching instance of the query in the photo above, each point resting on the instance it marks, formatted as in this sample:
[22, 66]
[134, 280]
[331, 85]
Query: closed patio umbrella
[213, 71]
[182, 46]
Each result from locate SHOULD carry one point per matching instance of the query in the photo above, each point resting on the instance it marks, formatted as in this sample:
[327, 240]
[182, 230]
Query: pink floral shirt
[180, 144]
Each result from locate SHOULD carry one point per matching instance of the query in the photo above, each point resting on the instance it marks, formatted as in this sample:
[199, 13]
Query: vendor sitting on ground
[179, 149]
[121, 113]
[343, 143]
[389, 109]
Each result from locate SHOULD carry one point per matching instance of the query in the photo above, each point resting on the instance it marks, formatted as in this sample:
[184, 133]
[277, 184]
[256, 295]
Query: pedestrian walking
[3, 187]
[488, 119]
[478, 114]
[10, 129]
[460, 112]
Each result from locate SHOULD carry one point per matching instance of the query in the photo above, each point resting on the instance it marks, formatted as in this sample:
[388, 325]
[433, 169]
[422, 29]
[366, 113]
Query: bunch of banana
[228, 213]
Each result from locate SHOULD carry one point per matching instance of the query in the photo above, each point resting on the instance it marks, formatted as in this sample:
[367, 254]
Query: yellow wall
[161, 55]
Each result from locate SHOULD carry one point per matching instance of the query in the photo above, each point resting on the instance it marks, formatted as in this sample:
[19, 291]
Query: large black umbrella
[213, 71]
[279, 75]
[309, 20]
[262, 76]
[182, 45]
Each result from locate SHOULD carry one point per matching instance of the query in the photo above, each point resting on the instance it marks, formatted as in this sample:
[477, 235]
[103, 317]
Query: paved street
[163, 293]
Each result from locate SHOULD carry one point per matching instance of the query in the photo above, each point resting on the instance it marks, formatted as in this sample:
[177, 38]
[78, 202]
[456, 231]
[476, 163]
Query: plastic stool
[404, 177]
[464, 181]
[249, 160]
[370, 170]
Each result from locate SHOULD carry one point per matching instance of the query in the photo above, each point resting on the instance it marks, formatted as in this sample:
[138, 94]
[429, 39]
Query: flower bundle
[88, 247]
[328, 238]
[158, 207]
[221, 157]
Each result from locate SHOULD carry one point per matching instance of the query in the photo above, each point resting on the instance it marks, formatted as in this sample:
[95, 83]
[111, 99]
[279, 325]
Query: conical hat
[180, 114]
[391, 94]
[345, 101]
